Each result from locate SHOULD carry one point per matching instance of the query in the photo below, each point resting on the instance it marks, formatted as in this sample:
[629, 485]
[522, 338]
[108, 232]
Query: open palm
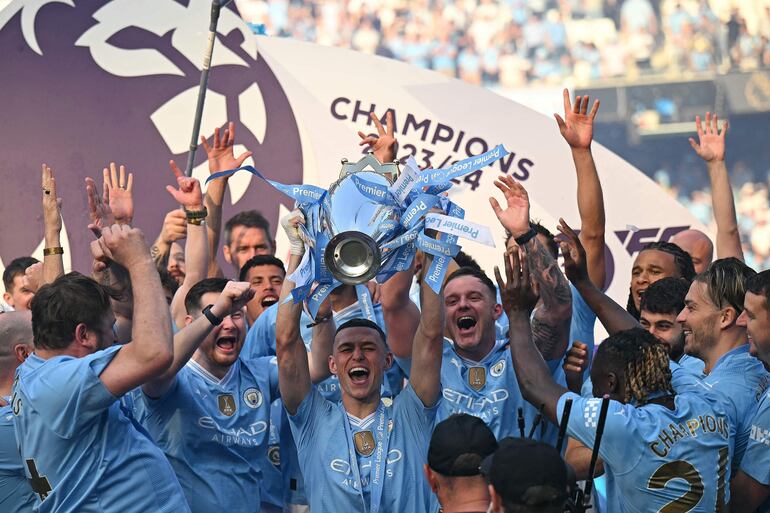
[578, 127]
[515, 217]
[711, 143]
[220, 151]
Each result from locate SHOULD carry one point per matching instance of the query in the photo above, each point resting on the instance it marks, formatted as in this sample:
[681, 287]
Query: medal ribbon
[377, 475]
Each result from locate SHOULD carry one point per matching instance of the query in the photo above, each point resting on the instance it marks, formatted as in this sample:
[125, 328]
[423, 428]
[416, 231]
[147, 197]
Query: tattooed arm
[550, 325]
[551, 321]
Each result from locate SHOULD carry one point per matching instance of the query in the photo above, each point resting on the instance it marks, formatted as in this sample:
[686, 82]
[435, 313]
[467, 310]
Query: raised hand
[220, 151]
[574, 254]
[233, 298]
[515, 217]
[51, 203]
[575, 363]
[711, 143]
[174, 226]
[290, 224]
[516, 292]
[384, 145]
[124, 245]
[119, 193]
[98, 208]
[33, 277]
[189, 193]
[578, 126]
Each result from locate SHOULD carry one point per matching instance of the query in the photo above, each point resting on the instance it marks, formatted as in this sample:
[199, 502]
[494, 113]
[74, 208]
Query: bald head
[698, 245]
[15, 340]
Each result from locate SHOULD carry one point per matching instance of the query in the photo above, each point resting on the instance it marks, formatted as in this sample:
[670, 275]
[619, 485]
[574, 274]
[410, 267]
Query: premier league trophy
[371, 221]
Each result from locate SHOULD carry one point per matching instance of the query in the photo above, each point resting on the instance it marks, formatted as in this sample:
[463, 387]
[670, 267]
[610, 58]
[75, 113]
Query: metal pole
[216, 6]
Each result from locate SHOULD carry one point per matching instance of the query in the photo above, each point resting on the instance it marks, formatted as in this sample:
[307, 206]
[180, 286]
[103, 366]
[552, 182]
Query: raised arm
[233, 298]
[196, 248]
[551, 322]
[746, 493]
[150, 351]
[401, 315]
[221, 158]
[711, 148]
[428, 345]
[613, 317]
[384, 145]
[535, 381]
[174, 228]
[577, 128]
[53, 262]
[293, 370]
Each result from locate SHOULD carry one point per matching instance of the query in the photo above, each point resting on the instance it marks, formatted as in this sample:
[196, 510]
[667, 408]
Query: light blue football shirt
[215, 432]
[655, 457]
[260, 341]
[324, 452]
[75, 437]
[756, 458]
[16, 495]
[271, 485]
[741, 379]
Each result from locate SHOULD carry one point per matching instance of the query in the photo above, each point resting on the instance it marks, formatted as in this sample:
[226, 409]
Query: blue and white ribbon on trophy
[416, 195]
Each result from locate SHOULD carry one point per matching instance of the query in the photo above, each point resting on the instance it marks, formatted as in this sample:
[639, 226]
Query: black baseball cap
[524, 471]
[459, 444]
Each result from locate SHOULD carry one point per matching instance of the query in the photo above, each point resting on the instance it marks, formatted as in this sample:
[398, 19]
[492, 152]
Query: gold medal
[364, 442]
[477, 377]
[226, 404]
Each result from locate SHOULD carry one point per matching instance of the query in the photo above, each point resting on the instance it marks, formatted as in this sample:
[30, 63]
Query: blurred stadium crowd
[510, 44]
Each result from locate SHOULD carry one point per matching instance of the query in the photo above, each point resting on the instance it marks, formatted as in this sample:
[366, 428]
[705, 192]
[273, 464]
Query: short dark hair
[360, 322]
[463, 259]
[759, 284]
[259, 260]
[57, 309]
[192, 301]
[16, 268]
[476, 273]
[249, 219]
[726, 281]
[643, 360]
[665, 296]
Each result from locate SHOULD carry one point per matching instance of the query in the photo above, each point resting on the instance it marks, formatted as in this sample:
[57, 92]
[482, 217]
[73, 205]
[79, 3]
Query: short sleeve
[409, 410]
[260, 339]
[306, 422]
[69, 393]
[756, 459]
[619, 428]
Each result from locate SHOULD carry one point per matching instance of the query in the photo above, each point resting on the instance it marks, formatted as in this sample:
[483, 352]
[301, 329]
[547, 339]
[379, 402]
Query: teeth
[465, 322]
[358, 369]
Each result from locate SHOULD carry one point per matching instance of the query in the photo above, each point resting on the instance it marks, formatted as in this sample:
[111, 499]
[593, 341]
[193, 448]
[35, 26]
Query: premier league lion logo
[85, 83]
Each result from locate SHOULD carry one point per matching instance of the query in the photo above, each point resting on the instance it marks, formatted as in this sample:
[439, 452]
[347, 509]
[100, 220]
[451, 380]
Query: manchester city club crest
[497, 369]
[226, 404]
[274, 455]
[364, 442]
[253, 398]
[477, 377]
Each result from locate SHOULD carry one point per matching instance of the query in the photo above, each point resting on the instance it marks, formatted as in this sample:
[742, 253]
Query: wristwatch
[213, 319]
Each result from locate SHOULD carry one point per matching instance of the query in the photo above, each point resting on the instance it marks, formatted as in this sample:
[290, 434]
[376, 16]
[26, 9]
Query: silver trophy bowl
[356, 223]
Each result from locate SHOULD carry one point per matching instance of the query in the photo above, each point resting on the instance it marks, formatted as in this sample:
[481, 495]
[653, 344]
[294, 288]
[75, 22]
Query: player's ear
[727, 317]
[430, 477]
[188, 320]
[227, 254]
[21, 351]
[497, 311]
[8, 299]
[332, 365]
[613, 383]
[388, 360]
[495, 502]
